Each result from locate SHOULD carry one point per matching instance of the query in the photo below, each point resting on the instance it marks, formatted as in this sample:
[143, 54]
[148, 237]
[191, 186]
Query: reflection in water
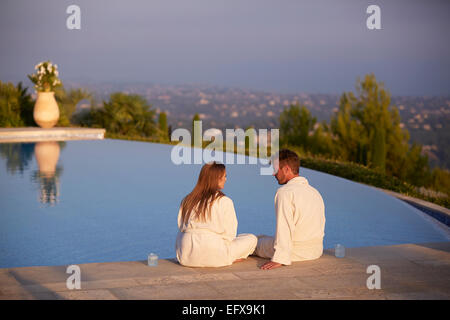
[49, 186]
[18, 158]
[47, 155]
[17, 155]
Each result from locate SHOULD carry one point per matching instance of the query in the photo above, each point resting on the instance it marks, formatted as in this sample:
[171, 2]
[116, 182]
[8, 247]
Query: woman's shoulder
[224, 200]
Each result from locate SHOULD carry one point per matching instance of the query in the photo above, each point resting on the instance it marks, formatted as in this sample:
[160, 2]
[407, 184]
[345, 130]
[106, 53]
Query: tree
[368, 131]
[68, 101]
[418, 172]
[251, 142]
[10, 105]
[126, 115]
[379, 149]
[162, 124]
[26, 103]
[195, 118]
[295, 126]
[322, 142]
[440, 180]
[193, 133]
[351, 141]
[368, 128]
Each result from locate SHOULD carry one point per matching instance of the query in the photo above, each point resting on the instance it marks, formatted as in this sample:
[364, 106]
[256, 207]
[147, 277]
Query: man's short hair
[289, 158]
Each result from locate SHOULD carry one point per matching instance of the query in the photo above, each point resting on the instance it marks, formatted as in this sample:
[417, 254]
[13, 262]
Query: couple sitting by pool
[207, 221]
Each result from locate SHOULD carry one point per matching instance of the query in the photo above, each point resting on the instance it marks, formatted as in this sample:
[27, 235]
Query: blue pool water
[114, 200]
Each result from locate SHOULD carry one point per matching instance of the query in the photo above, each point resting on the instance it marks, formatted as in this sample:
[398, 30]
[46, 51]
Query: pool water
[111, 200]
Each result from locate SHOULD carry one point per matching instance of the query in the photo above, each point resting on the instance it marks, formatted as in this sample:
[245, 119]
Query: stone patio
[408, 271]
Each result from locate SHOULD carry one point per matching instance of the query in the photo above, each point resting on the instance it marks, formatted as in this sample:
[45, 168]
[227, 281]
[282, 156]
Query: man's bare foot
[270, 265]
[239, 260]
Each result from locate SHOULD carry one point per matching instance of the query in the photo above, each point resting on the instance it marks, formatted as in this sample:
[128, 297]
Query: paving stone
[188, 278]
[264, 295]
[250, 263]
[131, 269]
[443, 246]
[171, 292]
[421, 295]
[22, 293]
[410, 283]
[372, 255]
[7, 279]
[419, 252]
[107, 284]
[258, 288]
[100, 294]
[36, 275]
[340, 293]
[38, 288]
[342, 268]
[355, 280]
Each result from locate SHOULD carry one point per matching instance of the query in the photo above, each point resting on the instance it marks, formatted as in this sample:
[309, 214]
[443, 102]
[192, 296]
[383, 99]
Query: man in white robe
[300, 217]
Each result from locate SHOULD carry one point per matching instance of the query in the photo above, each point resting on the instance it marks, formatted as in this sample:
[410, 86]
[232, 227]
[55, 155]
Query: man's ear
[286, 169]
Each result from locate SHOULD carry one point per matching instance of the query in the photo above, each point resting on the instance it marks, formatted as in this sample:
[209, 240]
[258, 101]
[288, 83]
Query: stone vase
[46, 111]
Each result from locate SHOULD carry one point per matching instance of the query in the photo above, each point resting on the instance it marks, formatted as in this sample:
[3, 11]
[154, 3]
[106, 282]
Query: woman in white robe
[207, 224]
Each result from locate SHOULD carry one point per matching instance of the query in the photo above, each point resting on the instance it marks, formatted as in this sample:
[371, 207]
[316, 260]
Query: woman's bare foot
[239, 260]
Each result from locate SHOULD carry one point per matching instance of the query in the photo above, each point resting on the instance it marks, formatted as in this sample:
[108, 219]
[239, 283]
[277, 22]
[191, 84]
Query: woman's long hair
[204, 194]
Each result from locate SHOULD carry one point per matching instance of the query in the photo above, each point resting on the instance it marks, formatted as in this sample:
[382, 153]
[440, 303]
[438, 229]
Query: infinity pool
[110, 200]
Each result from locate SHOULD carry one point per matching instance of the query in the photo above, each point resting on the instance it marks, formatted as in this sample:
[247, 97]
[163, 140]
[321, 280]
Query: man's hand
[270, 265]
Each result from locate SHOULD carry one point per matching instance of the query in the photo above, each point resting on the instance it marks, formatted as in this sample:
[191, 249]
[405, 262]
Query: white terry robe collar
[298, 179]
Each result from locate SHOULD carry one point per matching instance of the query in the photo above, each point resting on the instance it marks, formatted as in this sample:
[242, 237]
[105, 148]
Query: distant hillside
[426, 118]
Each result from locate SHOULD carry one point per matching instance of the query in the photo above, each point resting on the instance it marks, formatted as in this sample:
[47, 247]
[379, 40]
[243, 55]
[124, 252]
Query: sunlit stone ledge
[31, 134]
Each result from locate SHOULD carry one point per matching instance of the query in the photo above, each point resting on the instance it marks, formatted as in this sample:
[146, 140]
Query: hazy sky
[279, 45]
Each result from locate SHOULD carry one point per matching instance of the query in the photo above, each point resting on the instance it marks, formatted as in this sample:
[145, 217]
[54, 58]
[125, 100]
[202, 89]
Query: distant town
[427, 118]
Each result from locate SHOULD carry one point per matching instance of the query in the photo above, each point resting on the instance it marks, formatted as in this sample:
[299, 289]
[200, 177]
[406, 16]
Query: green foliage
[195, 118]
[124, 115]
[26, 106]
[295, 125]
[418, 172]
[356, 172]
[16, 106]
[67, 101]
[367, 127]
[366, 131]
[379, 149]
[440, 179]
[363, 174]
[18, 156]
[321, 142]
[250, 139]
[351, 141]
[162, 126]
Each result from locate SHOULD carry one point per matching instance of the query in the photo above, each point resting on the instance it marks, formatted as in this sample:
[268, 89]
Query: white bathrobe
[300, 217]
[213, 243]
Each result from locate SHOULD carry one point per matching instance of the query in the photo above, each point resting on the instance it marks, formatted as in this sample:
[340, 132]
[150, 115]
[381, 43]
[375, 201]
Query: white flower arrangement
[46, 77]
